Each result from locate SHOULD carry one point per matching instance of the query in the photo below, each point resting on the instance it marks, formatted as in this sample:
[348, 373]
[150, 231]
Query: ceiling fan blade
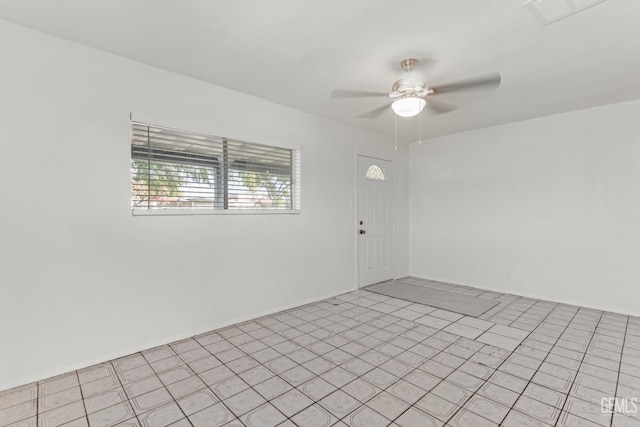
[436, 106]
[376, 112]
[487, 81]
[346, 93]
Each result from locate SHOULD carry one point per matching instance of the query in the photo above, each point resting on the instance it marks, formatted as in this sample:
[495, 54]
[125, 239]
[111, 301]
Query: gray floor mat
[452, 301]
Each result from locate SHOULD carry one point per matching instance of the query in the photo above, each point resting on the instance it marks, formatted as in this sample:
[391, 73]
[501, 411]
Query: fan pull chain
[396, 139]
[420, 128]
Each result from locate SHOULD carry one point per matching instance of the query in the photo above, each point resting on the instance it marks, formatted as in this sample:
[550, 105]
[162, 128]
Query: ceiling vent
[549, 11]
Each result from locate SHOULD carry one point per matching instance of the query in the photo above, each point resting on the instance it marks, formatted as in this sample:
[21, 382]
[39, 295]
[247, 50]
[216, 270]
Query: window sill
[180, 212]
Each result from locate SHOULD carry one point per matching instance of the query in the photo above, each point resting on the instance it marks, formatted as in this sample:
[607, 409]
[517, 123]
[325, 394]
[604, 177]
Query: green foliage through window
[185, 170]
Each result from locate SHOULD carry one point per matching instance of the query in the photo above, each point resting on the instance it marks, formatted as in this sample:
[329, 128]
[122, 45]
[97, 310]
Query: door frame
[355, 204]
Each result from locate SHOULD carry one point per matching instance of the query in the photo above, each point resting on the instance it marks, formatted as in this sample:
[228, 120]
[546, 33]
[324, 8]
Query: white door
[375, 221]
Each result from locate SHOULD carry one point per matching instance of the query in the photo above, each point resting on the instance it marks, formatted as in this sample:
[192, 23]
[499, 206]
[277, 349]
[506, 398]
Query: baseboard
[75, 366]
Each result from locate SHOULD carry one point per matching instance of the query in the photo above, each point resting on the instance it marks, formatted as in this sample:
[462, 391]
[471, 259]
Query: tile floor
[363, 359]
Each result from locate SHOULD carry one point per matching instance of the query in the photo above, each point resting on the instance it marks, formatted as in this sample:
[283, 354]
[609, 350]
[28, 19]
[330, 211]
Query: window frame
[173, 211]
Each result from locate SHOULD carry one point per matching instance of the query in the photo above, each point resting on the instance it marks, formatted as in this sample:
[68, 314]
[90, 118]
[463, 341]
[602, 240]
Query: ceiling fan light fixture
[408, 106]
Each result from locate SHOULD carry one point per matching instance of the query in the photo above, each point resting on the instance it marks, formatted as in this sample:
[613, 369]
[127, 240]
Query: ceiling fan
[410, 94]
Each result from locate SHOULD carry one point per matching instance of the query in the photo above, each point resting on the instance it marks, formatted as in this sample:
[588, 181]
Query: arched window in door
[375, 172]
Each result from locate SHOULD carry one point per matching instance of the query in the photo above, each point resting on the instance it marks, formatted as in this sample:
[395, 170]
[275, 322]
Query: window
[176, 171]
[375, 172]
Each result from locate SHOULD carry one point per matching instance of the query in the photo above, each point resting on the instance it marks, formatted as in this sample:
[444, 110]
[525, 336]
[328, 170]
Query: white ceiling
[294, 52]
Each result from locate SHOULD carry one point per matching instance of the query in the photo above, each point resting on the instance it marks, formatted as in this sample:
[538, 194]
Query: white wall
[547, 208]
[82, 280]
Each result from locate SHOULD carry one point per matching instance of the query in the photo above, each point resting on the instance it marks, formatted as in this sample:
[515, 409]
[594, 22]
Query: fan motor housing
[412, 84]
[409, 85]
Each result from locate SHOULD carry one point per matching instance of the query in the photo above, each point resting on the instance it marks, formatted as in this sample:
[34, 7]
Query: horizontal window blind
[175, 169]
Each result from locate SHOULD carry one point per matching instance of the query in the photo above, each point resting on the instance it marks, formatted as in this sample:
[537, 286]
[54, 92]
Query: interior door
[375, 221]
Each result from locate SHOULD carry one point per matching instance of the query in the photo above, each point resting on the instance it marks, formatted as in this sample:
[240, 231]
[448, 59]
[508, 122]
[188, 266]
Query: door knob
[362, 232]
